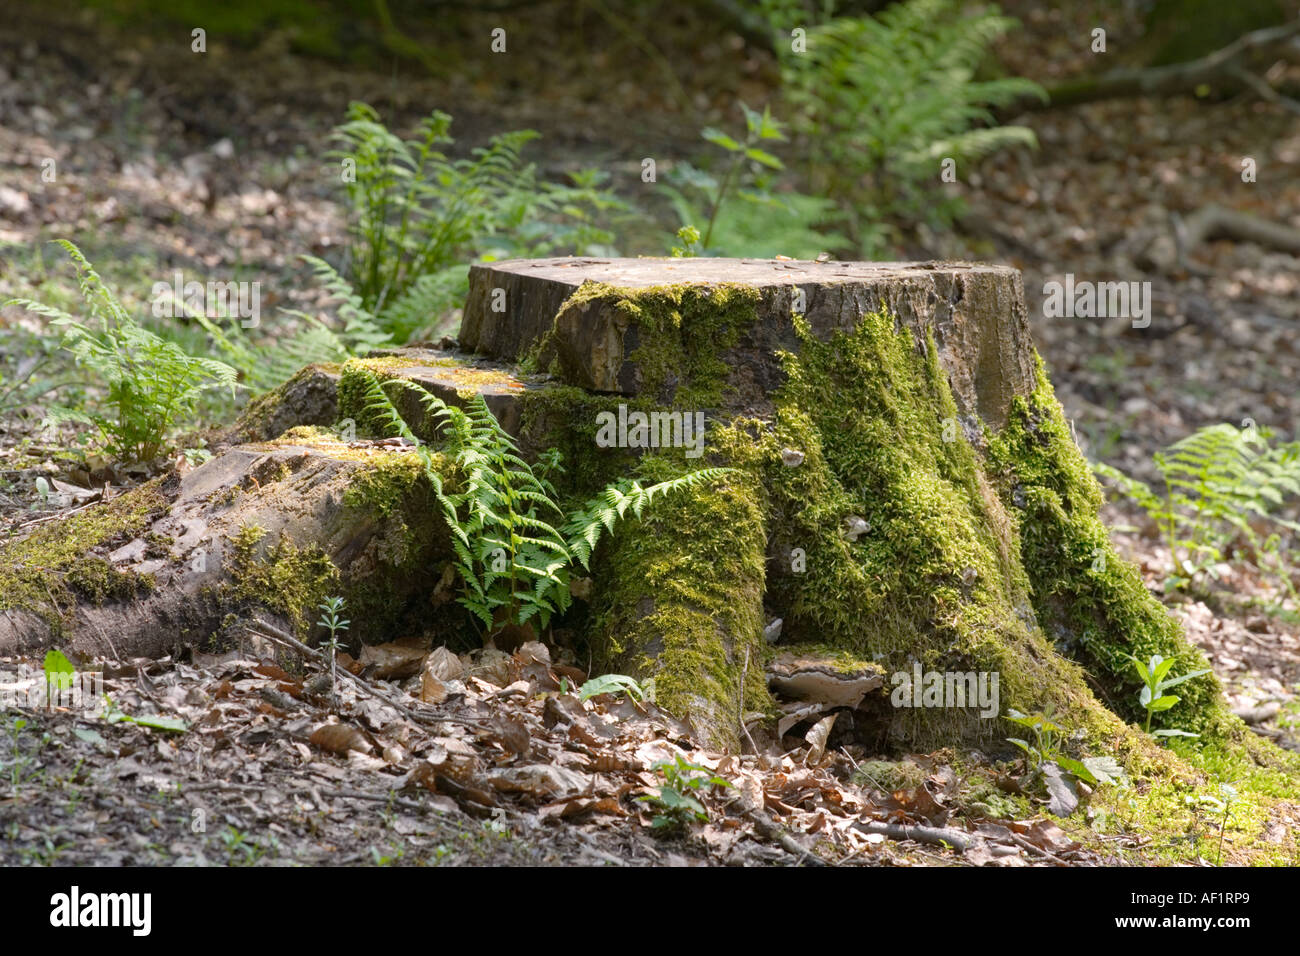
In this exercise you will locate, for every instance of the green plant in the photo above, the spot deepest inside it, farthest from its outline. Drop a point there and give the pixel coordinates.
(115, 715)
(264, 365)
(743, 212)
(879, 102)
(690, 242)
(677, 801)
(152, 383)
(613, 684)
(417, 215)
(43, 855)
(330, 620)
(23, 388)
(59, 674)
(1059, 772)
(1215, 480)
(1221, 805)
(514, 564)
(241, 849)
(1153, 698)
(17, 761)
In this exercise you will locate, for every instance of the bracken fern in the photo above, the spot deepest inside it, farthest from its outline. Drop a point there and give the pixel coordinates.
(152, 383)
(1215, 480)
(880, 101)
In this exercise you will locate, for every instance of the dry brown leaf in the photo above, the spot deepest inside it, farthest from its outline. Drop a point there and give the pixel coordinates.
(542, 780)
(511, 733)
(340, 738)
(444, 665)
(396, 659)
(817, 737)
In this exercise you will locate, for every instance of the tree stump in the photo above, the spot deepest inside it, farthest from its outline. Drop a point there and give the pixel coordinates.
(906, 507)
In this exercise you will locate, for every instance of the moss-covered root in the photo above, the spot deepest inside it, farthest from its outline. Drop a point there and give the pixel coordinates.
(680, 599)
(1087, 598)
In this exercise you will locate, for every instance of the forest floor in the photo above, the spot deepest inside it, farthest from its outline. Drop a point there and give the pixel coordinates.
(167, 161)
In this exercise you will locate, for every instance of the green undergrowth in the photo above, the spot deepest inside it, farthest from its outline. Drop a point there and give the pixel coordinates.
(62, 561)
(1169, 811)
(353, 382)
(680, 596)
(281, 576)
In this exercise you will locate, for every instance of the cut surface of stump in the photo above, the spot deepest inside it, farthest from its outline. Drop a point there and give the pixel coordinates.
(601, 338)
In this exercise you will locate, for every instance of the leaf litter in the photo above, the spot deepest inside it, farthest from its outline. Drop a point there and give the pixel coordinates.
(516, 769)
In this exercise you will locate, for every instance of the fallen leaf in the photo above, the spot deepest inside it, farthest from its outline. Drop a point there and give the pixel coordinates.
(340, 738)
(817, 736)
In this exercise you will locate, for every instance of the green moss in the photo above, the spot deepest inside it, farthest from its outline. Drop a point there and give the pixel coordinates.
(253, 420)
(680, 599)
(285, 578)
(41, 572)
(935, 578)
(354, 379)
(675, 337)
(1086, 596)
(309, 435)
(890, 775)
(565, 418)
(98, 580)
(1165, 808)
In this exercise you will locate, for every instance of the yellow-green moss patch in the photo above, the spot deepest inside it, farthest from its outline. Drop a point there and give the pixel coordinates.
(1089, 599)
(284, 578)
(45, 571)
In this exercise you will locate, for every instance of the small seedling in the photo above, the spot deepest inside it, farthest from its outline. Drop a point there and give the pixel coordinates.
(330, 620)
(676, 801)
(1154, 684)
(690, 247)
(59, 675)
(1221, 805)
(613, 684)
(1060, 773)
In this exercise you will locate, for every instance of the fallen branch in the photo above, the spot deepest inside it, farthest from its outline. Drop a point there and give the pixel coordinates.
(1175, 78)
(937, 836)
(1169, 253)
(784, 839)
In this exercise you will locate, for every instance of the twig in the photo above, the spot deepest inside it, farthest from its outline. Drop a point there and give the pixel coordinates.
(744, 676)
(960, 842)
(389, 797)
(1020, 841)
(288, 640)
(781, 836)
(1264, 91)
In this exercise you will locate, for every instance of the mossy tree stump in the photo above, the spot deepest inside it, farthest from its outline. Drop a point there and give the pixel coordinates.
(905, 493)
(907, 490)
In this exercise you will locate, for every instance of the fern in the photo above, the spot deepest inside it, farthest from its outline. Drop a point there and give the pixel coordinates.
(416, 212)
(313, 340)
(514, 547)
(1214, 481)
(152, 383)
(880, 101)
